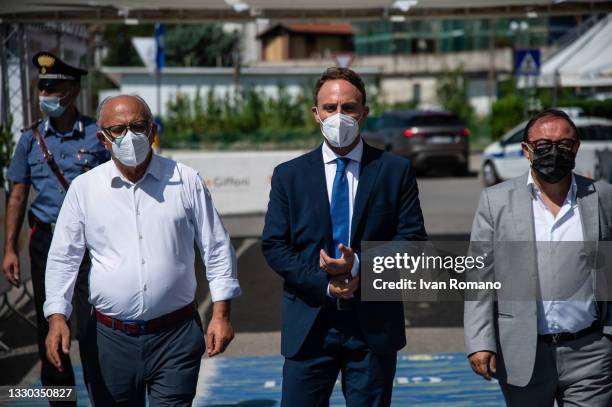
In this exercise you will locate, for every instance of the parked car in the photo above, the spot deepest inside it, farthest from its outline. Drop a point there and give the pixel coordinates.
(504, 159)
(430, 139)
(369, 126)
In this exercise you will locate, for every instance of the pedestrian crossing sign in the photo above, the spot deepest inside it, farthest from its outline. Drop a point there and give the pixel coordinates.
(344, 59)
(527, 62)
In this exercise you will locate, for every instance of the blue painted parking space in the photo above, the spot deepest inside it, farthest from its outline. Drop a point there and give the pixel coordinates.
(440, 379)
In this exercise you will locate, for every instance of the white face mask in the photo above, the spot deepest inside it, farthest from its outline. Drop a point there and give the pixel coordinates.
(132, 149)
(339, 129)
(55, 106)
(51, 105)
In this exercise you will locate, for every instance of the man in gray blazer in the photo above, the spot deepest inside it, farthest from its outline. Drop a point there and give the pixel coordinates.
(543, 351)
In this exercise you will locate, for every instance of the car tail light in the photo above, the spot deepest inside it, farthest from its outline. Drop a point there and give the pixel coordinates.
(466, 132)
(410, 132)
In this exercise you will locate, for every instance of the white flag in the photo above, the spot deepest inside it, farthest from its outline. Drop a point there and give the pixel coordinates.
(146, 48)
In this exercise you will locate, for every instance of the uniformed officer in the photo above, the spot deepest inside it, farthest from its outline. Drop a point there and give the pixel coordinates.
(48, 156)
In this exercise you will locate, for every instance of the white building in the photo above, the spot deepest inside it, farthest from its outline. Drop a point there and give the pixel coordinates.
(190, 81)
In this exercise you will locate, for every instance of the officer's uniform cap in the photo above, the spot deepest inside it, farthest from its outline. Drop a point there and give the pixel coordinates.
(51, 67)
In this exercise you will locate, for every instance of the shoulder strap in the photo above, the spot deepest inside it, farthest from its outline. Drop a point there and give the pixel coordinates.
(57, 171)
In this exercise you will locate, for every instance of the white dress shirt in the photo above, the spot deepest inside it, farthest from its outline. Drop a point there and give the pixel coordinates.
(141, 242)
(352, 177)
(560, 316)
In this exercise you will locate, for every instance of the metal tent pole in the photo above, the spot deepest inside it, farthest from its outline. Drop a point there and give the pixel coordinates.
(89, 100)
(24, 77)
(4, 91)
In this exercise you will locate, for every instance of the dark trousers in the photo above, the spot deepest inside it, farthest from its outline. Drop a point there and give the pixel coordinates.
(40, 241)
(164, 365)
(335, 344)
(576, 372)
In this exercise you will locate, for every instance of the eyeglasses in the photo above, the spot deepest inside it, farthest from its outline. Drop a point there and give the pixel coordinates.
(120, 130)
(543, 146)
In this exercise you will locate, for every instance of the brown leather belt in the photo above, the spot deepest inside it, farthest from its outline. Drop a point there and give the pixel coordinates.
(152, 325)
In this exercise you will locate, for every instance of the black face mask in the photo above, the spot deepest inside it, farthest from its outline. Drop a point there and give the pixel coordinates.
(553, 165)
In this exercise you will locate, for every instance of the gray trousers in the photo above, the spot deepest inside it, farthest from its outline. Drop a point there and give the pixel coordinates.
(572, 373)
(164, 365)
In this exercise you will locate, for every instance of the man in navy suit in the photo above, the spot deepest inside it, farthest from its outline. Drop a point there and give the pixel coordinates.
(322, 206)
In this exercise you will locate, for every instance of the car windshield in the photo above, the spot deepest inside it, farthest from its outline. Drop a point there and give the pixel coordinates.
(390, 121)
(422, 120)
(370, 123)
(435, 120)
(595, 133)
(516, 137)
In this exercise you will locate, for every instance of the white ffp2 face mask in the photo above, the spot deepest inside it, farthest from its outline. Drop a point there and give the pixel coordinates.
(132, 149)
(339, 129)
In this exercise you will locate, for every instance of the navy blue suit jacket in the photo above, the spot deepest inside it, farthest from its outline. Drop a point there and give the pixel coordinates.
(298, 226)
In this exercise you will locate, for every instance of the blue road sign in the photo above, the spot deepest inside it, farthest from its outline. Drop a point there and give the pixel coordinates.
(527, 62)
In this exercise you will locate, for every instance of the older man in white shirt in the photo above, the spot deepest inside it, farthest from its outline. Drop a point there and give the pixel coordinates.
(139, 215)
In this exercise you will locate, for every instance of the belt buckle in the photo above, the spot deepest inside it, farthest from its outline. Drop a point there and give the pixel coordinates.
(339, 306)
(134, 327)
(555, 338)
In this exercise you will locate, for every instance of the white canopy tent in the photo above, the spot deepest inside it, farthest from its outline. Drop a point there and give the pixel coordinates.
(16, 14)
(101, 11)
(586, 62)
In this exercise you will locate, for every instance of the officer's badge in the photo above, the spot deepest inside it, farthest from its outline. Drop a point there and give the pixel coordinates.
(45, 62)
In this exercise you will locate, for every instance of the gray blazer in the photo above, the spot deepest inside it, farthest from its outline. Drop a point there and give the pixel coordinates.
(509, 328)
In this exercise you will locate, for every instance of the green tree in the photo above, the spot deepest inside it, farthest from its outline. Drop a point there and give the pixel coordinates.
(213, 111)
(506, 113)
(179, 121)
(305, 102)
(252, 110)
(185, 45)
(118, 41)
(199, 45)
(452, 94)
(249, 117)
(6, 147)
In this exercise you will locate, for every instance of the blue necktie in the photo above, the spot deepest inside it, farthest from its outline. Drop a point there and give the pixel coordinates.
(340, 206)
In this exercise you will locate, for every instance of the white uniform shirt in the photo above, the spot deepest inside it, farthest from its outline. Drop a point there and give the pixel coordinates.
(560, 316)
(141, 242)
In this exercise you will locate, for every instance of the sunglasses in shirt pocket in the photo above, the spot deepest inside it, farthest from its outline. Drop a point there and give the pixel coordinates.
(87, 159)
